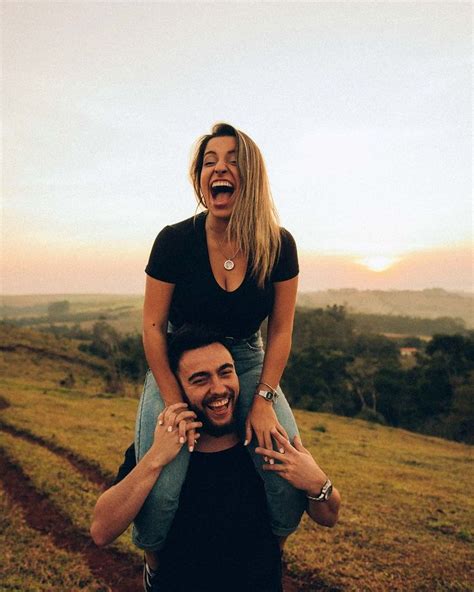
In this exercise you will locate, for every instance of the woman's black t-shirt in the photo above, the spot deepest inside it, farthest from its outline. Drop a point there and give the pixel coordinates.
(179, 256)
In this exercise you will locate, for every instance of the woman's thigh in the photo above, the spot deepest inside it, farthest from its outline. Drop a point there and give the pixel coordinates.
(286, 504)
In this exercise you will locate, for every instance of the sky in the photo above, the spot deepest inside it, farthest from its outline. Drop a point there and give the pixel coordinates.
(363, 112)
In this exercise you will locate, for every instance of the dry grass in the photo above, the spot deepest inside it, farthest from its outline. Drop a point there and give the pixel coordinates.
(407, 520)
(31, 562)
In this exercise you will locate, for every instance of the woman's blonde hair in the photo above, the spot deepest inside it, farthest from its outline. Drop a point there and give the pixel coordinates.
(253, 224)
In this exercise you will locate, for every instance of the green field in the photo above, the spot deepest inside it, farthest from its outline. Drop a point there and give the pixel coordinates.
(407, 519)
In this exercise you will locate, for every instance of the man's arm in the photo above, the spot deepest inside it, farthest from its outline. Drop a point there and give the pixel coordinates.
(117, 507)
(299, 468)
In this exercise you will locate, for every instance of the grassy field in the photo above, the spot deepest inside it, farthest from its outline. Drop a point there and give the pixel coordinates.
(407, 520)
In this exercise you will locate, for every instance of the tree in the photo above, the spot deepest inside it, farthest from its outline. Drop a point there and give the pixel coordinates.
(361, 374)
(106, 344)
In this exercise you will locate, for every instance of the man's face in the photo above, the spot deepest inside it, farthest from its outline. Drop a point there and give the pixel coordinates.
(211, 387)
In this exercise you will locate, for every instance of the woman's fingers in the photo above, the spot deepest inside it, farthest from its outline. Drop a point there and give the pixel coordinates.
(191, 436)
(281, 430)
(248, 433)
(268, 444)
(282, 442)
(181, 430)
(185, 415)
(170, 414)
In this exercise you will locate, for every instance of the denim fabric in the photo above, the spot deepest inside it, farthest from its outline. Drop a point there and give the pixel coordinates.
(286, 504)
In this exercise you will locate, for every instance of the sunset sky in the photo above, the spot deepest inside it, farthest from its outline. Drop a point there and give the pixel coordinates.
(362, 111)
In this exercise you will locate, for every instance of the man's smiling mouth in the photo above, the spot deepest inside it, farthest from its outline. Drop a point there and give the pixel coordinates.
(219, 403)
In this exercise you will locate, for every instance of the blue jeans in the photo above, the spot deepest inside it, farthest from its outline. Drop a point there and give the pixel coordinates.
(286, 504)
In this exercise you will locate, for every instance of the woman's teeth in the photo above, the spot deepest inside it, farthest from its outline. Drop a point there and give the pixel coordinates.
(221, 187)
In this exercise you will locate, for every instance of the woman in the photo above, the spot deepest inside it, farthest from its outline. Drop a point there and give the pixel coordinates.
(229, 268)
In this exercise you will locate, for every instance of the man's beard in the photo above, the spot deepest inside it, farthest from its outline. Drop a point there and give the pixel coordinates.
(208, 426)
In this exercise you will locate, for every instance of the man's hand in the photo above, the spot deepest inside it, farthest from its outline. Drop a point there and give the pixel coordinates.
(171, 431)
(263, 422)
(295, 464)
(299, 468)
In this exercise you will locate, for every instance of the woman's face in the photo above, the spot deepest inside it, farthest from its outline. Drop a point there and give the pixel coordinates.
(220, 179)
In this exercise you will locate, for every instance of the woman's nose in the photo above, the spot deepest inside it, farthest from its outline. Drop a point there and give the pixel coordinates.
(221, 167)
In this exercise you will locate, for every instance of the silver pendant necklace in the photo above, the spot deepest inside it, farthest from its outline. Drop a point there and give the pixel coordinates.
(228, 263)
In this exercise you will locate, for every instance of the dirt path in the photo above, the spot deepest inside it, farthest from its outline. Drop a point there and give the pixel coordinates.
(120, 571)
(86, 468)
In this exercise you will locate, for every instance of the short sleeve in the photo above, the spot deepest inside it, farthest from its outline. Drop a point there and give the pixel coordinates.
(164, 256)
(127, 466)
(287, 266)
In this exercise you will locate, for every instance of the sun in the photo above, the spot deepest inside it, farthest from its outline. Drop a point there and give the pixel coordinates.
(378, 263)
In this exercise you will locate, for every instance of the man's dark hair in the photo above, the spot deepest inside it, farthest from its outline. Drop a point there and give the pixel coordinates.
(189, 337)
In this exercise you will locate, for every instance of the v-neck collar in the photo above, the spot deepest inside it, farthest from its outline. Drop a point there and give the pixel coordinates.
(201, 226)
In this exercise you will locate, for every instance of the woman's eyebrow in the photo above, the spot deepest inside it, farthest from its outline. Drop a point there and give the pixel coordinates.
(215, 154)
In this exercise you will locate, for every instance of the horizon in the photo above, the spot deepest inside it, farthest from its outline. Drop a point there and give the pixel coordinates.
(348, 289)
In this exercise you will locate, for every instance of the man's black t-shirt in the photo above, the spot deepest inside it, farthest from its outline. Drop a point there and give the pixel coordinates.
(179, 256)
(220, 538)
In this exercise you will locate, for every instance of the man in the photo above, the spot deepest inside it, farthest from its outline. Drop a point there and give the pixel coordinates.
(221, 537)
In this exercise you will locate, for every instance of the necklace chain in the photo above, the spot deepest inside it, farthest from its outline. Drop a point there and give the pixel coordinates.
(228, 263)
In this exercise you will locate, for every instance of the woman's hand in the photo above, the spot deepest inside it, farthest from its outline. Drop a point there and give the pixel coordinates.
(261, 421)
(173, 425)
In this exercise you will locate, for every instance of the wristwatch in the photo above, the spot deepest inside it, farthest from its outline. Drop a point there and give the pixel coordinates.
(324, 494)
(268, 395)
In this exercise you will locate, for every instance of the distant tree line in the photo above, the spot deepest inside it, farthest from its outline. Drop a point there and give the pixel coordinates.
(378, 323)
(335, 368)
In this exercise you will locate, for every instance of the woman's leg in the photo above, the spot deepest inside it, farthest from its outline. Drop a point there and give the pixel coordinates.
(286, 504)
(154, 520)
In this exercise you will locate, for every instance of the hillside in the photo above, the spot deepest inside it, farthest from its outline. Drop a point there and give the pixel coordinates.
(430, 303)
(407, 521)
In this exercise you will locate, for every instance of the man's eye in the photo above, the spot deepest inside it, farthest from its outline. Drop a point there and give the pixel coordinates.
(199, 381)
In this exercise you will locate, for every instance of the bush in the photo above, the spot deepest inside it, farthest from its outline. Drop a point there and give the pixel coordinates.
(370, 415)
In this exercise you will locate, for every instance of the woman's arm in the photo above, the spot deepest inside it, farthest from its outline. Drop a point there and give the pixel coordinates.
(156, 307)
(262, 417)
(158, 296)
(279, 332)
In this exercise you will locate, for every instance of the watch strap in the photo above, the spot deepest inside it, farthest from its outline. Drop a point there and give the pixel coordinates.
(324, 494)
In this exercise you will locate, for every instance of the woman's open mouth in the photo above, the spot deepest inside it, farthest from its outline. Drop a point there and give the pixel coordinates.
(222, 189)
